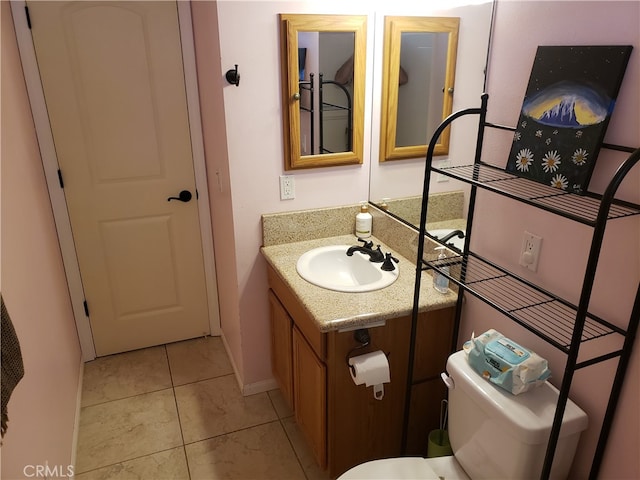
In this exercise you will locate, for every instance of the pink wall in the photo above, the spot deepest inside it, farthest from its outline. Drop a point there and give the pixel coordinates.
(210, 85)
(499, 223)
(43, 406)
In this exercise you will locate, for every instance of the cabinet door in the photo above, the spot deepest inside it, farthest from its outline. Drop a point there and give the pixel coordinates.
(310, 400)
(281, 348)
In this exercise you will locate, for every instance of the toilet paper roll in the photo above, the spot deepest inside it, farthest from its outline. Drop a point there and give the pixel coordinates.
(370, 369)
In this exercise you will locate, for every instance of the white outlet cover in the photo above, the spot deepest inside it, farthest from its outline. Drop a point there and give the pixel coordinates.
(287, 187)
(440, 178)
(530, 252)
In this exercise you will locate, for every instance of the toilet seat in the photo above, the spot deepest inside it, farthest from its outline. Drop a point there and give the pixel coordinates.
(407, 468)
(404, 468)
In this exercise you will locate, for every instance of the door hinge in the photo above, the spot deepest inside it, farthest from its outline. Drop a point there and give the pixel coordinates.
(60, 179)
(86, 308)
(26, 11)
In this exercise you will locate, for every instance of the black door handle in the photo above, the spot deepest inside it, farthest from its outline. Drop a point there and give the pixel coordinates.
(184, 196)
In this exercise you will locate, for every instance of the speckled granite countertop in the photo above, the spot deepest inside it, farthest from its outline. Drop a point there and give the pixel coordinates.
(337, 310)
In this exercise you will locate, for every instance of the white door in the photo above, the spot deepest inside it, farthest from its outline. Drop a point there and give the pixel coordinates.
(114, 86)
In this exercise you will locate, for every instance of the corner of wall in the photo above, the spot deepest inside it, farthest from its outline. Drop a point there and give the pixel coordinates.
(207, 50)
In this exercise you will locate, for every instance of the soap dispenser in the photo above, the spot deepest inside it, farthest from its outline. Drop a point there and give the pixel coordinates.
(363, 221)
(440, 282)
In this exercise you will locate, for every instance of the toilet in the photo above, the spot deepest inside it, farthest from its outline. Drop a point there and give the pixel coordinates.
(493, 434)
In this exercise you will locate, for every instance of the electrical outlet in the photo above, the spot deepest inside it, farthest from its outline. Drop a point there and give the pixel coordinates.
(530, 252)
(287, 187)
(440, 178)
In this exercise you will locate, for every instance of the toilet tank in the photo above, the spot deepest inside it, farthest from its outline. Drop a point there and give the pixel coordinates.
(495, 434)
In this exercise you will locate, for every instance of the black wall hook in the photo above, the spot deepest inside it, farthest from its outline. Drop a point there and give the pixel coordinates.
(233, 77)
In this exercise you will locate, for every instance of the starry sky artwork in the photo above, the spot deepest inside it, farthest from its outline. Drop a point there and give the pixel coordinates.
(569, 100)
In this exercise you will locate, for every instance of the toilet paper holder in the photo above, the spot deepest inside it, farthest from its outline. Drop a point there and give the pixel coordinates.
(364, 339)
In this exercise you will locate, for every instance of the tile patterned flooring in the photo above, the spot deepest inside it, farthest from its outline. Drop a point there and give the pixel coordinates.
(175, 412)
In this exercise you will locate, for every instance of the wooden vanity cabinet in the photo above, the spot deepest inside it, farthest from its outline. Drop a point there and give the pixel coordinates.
(343, 423)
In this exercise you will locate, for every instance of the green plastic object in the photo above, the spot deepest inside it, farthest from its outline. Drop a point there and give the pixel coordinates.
(439, 445)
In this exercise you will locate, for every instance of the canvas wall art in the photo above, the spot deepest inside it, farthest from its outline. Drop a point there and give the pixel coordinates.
(568, 103)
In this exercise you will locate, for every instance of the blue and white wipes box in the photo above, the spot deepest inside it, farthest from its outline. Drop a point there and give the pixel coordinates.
(505, 363)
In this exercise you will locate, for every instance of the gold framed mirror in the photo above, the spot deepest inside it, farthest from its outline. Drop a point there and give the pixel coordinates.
(323, 81)
(419, 62)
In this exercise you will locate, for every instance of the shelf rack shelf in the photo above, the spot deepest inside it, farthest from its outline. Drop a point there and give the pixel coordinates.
(540, 312)
(558, 322)
(582, 209)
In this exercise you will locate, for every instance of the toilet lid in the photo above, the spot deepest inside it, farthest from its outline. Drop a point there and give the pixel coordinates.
(404, 468)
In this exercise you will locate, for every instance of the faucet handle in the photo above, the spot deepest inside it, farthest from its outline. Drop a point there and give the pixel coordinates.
(367, 244)
(388, 266)
(376, 255)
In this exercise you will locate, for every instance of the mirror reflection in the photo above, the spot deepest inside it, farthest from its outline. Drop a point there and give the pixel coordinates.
(418, 83)
(325, 62)
(420, 98)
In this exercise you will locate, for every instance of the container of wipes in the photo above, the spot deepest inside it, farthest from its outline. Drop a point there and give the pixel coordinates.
(505, 363)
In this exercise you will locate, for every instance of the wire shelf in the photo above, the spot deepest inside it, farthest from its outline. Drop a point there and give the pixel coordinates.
(581, 208)
(538, 311)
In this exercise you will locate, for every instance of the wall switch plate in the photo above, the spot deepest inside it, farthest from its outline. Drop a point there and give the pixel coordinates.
(287, 187)
(530, 252)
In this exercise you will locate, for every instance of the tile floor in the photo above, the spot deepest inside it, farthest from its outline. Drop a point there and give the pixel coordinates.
(176, 412)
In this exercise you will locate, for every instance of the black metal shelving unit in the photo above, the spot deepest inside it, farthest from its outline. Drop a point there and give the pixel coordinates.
(558, 322)
(323, 107)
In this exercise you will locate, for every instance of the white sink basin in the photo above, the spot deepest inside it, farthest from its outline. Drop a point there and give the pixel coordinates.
(443, 232)
(330, 267)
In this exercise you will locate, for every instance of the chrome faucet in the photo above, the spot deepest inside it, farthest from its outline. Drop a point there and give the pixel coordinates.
(375, 256)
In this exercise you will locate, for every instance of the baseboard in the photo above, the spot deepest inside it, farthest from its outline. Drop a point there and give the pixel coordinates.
(259, 387)
(251, 388)
(76, 426)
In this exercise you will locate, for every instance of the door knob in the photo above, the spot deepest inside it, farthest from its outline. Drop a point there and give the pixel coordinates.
(183, 196)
